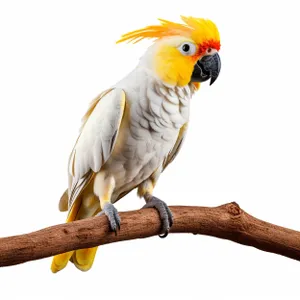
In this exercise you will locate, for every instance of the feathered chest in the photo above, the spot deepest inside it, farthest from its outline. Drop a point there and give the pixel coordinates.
(160, 111)
(154, 116)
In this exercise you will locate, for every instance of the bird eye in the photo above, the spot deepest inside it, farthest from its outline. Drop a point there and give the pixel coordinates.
(209, 50)
(187, 48)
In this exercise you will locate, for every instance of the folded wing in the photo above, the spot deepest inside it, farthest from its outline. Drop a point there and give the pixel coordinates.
(175, 150)
(96, 141)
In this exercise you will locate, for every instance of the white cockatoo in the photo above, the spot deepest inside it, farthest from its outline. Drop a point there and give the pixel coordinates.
(134, 129)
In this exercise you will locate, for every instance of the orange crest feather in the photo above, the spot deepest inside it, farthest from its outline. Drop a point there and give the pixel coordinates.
(201, 31)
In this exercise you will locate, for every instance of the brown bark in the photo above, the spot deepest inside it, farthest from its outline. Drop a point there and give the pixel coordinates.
(227, 222)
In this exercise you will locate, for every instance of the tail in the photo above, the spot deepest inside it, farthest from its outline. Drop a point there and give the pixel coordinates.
(83, 258)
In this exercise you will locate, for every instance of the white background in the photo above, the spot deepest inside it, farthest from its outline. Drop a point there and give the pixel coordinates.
(243, 145)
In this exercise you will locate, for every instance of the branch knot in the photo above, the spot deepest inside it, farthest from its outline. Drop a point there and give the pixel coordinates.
(234, 209)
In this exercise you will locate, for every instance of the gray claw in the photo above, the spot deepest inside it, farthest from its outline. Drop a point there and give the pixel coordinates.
(113, 217)
(164, 212)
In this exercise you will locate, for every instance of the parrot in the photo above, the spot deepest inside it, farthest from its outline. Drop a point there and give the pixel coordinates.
(133, 130)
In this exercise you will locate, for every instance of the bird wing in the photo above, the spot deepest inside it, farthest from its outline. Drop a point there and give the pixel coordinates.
(96, 141)
(177, 146)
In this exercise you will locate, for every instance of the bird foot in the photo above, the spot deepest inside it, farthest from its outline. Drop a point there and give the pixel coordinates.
(113, 216)
(164, 213)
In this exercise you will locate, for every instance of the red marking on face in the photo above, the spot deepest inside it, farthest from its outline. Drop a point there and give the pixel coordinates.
(207, 45)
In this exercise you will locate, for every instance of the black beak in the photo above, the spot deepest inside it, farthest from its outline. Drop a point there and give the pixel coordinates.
(207, 67)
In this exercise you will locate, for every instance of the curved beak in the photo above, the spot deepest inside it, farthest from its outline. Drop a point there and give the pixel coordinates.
(208, 67)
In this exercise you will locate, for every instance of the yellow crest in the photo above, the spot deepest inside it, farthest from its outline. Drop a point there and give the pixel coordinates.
(199, 30)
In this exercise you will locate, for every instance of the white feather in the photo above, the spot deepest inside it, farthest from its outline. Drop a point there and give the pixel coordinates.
(95, 142)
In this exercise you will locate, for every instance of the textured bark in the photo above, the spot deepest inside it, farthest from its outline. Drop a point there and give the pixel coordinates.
(227, 222)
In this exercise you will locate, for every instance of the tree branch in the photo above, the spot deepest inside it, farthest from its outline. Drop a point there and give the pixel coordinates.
(227, 222)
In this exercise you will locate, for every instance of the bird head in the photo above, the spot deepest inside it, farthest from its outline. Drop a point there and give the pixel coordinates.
(181, 53)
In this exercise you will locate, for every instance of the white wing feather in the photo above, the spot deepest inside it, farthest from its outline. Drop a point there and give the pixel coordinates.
(178, 144)
(96, 141)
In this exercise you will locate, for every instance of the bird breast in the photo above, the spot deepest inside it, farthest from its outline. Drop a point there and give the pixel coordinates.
(152, 120)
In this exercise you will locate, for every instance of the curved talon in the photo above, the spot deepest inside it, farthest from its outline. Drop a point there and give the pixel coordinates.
(164, 213)
(112, 215)
(164, 235)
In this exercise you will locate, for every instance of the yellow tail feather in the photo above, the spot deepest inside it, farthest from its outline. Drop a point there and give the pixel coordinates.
(60, 261)
(83, 258)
